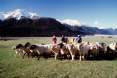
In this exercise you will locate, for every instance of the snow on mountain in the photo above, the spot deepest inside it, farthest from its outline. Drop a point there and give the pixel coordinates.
(71, 22)
(18, 13)
(32, 14)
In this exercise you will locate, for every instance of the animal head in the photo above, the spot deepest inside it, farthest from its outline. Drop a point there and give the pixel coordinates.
(19, 46)
(32, 47)
(116, 46)
(27, 45)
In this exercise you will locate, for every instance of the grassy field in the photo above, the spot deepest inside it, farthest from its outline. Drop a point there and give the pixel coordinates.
(16, 67)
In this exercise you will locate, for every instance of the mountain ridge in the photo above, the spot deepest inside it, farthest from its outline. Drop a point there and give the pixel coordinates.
(46, 26)
(34, 25)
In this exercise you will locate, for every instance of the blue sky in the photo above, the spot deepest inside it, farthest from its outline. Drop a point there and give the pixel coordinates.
(100, 13)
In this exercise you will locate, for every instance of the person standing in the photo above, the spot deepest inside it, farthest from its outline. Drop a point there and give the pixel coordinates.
(54, 39)
(79, 39)
(64, 39)
(63, 42)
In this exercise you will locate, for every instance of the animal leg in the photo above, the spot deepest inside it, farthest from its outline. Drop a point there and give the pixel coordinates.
(23, 55)
(83, 57)
(80, 58)
(72, 57)
(56, 54)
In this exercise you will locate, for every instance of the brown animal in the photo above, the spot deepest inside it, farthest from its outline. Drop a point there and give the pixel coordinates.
(19, 50)
(39, 50)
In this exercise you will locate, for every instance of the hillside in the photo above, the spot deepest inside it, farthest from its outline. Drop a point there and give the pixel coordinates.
(45, 26)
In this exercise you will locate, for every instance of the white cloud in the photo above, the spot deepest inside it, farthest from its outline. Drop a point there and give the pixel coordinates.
(84, 23)
(71, 22)
(96, 23)
(114, 26)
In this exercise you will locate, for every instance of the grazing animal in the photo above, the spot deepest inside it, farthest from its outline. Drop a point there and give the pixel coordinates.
(67, 50)
(34, 51)
(102, 51)
(56, 50)
(27, 50)
(112, 51)
(60, 50)
(23, 50)
(19, 50)
(96, 50)
(73, 50)
(84, 49)
(40, 50)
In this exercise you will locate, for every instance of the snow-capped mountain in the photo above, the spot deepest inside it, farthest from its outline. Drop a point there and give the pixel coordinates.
(71, 22)
(35, 26)
(18, 13)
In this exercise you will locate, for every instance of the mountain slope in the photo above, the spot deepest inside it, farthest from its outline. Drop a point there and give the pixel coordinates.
(33, 27)
(45, 26)
(23, 23)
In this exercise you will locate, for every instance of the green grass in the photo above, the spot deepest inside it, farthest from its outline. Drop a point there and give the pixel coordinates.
(16, 67)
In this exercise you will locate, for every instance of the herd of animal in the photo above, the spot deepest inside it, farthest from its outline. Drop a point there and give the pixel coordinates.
(81, 51)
